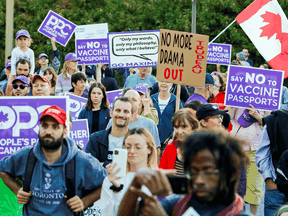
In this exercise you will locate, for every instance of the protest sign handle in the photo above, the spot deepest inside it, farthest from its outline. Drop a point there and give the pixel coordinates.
(178, 97)
(222, 31)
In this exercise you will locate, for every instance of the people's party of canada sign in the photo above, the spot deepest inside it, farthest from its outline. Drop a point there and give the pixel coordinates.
(261, 88)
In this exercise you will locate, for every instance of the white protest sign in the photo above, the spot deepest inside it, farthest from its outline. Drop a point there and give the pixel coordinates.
(133, 49)
(93, 31)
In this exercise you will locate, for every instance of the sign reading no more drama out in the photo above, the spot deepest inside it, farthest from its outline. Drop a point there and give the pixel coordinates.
(182, 58)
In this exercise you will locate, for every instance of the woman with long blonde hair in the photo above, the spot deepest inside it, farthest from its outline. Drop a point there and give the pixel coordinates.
(63, 84)
(142, 153)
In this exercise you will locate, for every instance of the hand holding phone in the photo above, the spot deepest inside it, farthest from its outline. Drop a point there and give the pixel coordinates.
(111, 175)
(120, 159)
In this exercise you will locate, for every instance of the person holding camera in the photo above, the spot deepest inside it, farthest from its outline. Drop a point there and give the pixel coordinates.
(142, 153)
(212, 160)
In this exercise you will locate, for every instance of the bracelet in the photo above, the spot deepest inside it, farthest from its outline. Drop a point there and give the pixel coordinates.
(116, 189)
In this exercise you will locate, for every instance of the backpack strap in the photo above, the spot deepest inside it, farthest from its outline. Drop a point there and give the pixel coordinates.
(182, 205)
(70, 178)
(29, 171)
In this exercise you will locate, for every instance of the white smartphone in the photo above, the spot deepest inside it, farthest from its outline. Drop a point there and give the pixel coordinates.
(120, 158)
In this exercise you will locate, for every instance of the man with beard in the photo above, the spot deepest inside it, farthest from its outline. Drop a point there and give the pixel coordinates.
(21, 86)
(49, 191)
(140, 121)
(102, 143)
(213, 162)
(203, 94)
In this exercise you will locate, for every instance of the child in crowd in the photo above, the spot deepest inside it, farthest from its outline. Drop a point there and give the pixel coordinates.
(22, 51)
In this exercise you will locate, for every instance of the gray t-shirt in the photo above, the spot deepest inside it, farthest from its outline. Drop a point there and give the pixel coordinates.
(115, 142)
(143, 122)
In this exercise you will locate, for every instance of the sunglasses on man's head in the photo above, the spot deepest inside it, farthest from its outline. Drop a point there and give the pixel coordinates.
(15, 86)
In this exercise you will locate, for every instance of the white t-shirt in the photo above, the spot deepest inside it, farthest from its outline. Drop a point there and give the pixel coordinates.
(110, 201)
(115, 142)
(18, 54)
(163, 103)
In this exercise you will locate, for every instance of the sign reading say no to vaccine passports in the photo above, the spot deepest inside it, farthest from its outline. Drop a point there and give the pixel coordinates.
(261, 88)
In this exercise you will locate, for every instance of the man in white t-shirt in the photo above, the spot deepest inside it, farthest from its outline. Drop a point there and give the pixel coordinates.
(140, 121)
(102, 143)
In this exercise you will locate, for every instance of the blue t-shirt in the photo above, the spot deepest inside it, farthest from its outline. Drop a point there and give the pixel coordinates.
(48, 184)
(134, 79)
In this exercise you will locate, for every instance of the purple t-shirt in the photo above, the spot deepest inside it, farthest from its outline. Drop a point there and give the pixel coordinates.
(197, 97)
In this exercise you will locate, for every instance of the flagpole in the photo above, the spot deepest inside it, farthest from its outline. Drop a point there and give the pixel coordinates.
(223, 31)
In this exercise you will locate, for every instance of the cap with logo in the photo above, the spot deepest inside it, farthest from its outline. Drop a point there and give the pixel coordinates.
(245, 120)
(57, 113)
(209, 79)
(40, 77)
(241, 56)
(43, 55)
(208, 110)
(142, 88)
(72, 57)
(22, 32)
(22, 79)
(8, 64)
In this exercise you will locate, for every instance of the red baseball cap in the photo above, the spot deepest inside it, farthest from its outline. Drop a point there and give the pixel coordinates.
(41, 77)
(57, 113)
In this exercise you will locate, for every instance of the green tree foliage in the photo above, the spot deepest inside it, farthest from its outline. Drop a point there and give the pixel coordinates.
(135, 15)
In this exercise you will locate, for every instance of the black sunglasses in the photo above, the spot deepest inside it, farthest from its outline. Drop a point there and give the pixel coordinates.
(15, 86)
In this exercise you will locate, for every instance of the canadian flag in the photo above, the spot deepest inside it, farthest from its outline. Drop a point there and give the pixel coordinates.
(267, 27)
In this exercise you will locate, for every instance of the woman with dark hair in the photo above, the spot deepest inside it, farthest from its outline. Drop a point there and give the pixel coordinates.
(220, 81)
(78, 82)
(184, 123)
(51, 75)
(97, 108)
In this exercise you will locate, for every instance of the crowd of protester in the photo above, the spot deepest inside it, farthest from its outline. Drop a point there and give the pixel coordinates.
(225, 157)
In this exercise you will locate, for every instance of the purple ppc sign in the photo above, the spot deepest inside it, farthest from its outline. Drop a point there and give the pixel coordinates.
(19, 120)
(133, 49)
(112, 95)
(57, 26)
(261, 88)
(80, 132)
(76, 104)
(219, 53)
(92, 51)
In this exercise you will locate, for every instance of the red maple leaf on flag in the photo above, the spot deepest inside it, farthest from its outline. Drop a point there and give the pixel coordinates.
(274, 26)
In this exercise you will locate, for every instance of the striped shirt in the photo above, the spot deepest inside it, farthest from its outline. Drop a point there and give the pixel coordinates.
(179, 167)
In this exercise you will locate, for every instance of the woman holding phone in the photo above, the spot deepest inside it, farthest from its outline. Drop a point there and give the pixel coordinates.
(184, 122)
(141, 150)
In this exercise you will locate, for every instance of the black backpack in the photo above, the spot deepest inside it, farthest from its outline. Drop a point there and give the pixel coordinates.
(69, 173)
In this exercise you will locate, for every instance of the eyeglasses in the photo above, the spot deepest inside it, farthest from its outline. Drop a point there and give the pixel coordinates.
(15, 86)
(205, 173)
(218, 117)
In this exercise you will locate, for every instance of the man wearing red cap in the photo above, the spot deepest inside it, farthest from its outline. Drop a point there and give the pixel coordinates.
(40, 86)
(49, 192)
